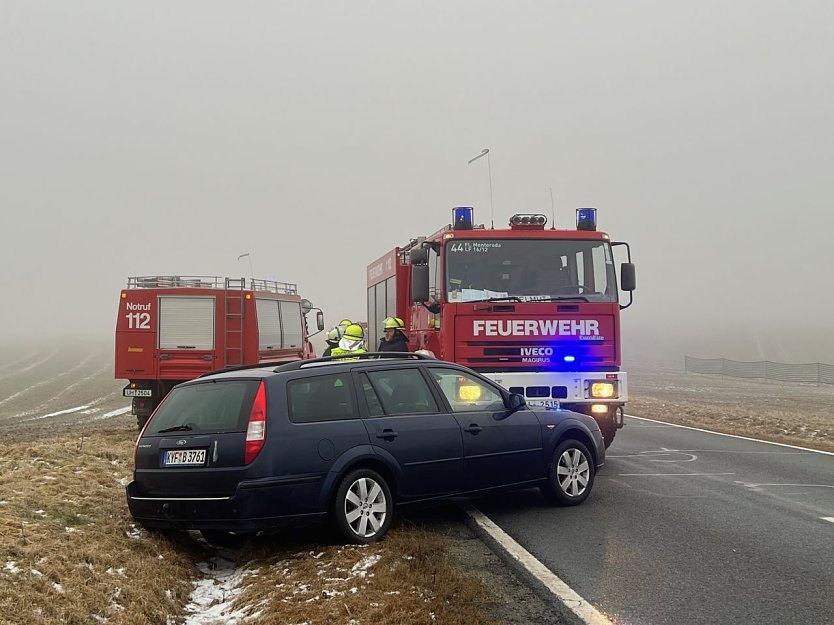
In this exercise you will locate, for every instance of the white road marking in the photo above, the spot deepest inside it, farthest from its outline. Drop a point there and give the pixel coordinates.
(580, 607)
(662, 452)
(830, 519)
(669, 474)
(744, 438)
(710, 451)
(812, 485)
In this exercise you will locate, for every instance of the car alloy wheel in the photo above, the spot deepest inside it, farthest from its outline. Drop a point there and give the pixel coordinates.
(363, 506)
(571, 474)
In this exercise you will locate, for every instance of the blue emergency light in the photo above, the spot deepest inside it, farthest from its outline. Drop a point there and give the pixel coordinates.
(570, 358)
(462, 217)
(586, 219)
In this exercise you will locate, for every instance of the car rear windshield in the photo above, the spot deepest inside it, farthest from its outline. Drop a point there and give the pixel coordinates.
(215, 406)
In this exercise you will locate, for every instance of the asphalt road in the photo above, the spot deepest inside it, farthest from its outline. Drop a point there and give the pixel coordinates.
(688, 527)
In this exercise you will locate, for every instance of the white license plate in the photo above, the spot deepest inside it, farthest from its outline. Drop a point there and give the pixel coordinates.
(137, 392)
(543, 403)
(184, 457)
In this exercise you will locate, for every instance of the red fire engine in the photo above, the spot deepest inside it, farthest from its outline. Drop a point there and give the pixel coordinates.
(174, 328)
(535, 309)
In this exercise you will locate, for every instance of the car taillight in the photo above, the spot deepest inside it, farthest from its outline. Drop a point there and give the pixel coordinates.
(256, 430)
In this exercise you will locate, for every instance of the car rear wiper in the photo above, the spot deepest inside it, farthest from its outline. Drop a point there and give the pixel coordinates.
(177, 428)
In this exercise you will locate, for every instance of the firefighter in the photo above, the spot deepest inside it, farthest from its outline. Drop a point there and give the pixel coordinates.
(352, 342)
(332, 339)
(335, 335)
(395, 339)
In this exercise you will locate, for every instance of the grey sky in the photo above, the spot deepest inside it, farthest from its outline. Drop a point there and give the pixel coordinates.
(171, 137)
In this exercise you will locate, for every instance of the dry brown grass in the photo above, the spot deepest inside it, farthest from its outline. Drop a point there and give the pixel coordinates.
(77, 557)
(405, 580)
(795, 414)
(70, 553)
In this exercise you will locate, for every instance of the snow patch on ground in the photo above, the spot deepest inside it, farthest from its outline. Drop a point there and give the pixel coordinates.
(211, 600)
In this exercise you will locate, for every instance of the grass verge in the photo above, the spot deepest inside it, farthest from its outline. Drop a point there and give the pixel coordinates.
(70, 553)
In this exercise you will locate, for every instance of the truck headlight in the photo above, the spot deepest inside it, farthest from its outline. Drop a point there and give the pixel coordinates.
(602, 390)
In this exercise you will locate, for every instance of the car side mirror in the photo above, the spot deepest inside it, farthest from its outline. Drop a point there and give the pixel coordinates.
(320, 320)
(515, 403)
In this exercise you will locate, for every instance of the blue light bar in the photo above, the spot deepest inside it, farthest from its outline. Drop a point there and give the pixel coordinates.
(569, 358)
(586, 219)
(462, 217)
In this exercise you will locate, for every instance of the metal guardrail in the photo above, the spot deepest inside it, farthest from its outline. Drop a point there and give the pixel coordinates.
(813, 372)
(211, 282)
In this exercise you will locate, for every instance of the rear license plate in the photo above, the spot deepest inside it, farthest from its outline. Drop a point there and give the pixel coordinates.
(137, 392)
(184, 457)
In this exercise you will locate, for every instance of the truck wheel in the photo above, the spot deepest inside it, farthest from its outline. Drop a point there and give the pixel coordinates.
(571, 475)
(363, 506)
(141, 421)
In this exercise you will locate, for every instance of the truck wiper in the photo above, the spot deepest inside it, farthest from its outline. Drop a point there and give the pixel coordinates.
(562, 298)
(514, 298)
(176, 428)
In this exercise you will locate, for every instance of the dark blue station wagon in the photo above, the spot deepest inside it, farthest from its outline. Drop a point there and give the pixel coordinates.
(246, 450)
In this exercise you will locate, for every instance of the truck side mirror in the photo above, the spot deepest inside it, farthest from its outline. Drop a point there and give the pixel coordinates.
(419, 283)
(419, 256)
(628, 280)
(320, 320)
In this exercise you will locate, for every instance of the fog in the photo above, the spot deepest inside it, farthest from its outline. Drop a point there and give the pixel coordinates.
(171, 138)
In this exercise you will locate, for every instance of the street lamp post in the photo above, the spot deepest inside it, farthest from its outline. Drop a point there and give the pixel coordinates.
(248, 256)
(485, 152)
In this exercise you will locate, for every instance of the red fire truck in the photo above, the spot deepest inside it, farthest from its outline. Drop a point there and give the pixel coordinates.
(535, 309)
(174, 328)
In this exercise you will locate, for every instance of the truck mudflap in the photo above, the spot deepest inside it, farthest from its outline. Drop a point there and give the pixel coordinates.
(619, 417)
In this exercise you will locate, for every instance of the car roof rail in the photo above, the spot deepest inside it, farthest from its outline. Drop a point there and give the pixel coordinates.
(255, 365)
(342, 358)
(284, 365)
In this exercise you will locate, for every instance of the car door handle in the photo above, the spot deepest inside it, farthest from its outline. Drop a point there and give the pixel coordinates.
(473, 428)
(388, 434)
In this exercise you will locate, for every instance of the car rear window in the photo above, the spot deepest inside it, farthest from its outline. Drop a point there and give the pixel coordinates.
(320, 398)
(218, 406)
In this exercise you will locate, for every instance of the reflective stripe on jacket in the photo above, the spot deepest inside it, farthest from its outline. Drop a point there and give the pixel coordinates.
(343, 353)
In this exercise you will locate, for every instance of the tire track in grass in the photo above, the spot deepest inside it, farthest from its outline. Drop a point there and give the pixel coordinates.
(87, 408)
(45, 403)
(31, 366)
(14, 363)
(112, 413)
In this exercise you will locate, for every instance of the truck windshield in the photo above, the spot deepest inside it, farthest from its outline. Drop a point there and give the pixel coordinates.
(529, 270)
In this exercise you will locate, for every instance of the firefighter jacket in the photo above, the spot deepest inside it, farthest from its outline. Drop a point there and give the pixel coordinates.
(343, 353)
(398, 344)
(348, 346)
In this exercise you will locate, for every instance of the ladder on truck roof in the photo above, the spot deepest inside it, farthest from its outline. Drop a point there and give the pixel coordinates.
(233, 322)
